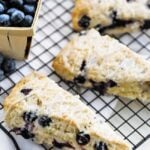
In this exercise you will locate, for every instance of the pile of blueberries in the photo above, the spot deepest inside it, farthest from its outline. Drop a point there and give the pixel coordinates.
(17, 13)
(7, 66)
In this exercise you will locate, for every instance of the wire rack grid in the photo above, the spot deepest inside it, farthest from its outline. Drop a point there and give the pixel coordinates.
(130, 119)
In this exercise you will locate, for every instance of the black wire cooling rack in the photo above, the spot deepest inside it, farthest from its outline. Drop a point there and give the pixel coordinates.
(130, 119)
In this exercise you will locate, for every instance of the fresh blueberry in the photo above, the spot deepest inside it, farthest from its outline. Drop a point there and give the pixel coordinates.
(4, 3)
(17, 17)
(1, 8)
(26, 91)
(82, 138)
(1, 75)
(44, 121)
(30, 1)
(29, 9)
(4, 20)
(27, 21)
(100, 146)
(84, 22)
(1, 59)
(29, 117)
(16, 3)
(8, 65)
(11, 11)
(24, 132)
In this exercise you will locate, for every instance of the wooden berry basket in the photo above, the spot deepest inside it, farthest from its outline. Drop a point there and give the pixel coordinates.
(15, 42)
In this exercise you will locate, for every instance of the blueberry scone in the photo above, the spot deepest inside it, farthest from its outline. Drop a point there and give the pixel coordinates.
(112, 16)
(102, 63)
(38, 109)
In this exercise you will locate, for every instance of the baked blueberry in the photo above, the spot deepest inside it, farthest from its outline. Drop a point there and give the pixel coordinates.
(1, 75)
(17, 17)
(44, 121)
(146, 24)
(80, 79)
(82, 138)
(61, 145)
(27, 21)
(100, 146)
(83, 65)
(29, 9)
(11, 11)
(103, 86)
(29, 117)
(26, 134)
(16, 3)
(30, 1)
(84, 22)
(111, 83)
(9, 65)
(100, 87)
(4, 20)
(118, 22)
(26, 91)
(1, 8)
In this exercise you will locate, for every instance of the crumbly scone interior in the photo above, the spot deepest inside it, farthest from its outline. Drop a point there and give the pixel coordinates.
(102, 62)
(110, 17)
(65, 111)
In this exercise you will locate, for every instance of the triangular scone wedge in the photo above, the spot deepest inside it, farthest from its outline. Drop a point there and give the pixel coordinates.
(111, 16)
(102, 63)
(39, 109)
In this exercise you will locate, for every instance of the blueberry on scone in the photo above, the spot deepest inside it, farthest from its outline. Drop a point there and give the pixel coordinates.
(26, 91)
(44, 121)
(105, 65)
(110, 16)
(55, 118)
